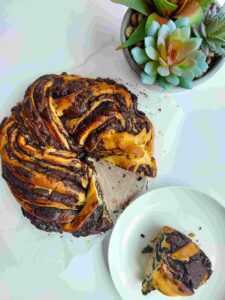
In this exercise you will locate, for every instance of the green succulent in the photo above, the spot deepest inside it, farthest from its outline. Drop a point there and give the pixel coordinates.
(212, 31)
(172, 9)
(170, 57)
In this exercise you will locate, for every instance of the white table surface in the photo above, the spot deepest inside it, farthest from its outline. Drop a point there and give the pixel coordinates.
(80, 36)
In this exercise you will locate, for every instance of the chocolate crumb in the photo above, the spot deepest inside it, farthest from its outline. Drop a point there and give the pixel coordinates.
(124, 175)
(109, 168)
(115, 211)
(142, 235)
(160, 109)
(147, 249)
(191, 235)
(200, 228)
(143, 94)
(139, 179)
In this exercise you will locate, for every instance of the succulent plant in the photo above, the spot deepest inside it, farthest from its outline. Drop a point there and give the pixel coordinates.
(172, 9)
(212, 31)
(170, 57)
(164, 10)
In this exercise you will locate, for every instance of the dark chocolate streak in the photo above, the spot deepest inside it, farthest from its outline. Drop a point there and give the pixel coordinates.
(177, 240)
(95, 224)
(71, 176)
(104, 109)
(145, 169)
(29, 192)
(192, 272)
(3, 122)
(70, 179)
(45, 226)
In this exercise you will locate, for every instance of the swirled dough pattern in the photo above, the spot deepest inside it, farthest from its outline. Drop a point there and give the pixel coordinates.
(48, 143)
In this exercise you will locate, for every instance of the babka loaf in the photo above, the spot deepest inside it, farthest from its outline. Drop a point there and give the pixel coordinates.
(50, 140)
(176, 265)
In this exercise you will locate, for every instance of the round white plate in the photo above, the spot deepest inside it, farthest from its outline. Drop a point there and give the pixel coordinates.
(182, 208)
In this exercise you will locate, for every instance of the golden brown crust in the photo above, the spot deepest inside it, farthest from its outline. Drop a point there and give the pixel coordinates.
(62, 121)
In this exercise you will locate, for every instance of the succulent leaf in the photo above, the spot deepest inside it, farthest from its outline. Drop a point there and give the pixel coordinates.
(187, 48)
(149, 42)
(162, 62)
(154, 17)
(152, 25)
(137, 36)
(177, 71)
(151, 68)
(205, 3)
(139, 55)
(138, 5)
(161, 41)
(173, 79)
(217, 47)
(193, 11)
(182, 5)
(186, 83)
(197, 71)
(182, 22)
(181, 34)
(153, 28)
(203, 66)
(164, 83)
(171, 25)
(162, 34)
(189, 75)
(163, 71)
(152, 53)
(187, 64)
(147, 79)
(165, 7)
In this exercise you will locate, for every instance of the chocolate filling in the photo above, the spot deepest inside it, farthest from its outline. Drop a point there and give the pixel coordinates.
(177, 240)
(193, 272)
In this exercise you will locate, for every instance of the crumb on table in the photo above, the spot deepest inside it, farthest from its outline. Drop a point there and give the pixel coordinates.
(147, 249)
(191, 235)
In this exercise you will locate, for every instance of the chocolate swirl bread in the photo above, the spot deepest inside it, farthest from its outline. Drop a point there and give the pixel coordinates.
(48, 143)
(176, 266)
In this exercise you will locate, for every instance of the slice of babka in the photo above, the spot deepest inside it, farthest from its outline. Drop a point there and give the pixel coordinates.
(176, 265)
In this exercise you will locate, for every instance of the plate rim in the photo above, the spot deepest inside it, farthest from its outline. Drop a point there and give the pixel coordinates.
(130, 207)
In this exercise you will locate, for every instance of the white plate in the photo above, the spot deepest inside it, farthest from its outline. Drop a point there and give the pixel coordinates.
(184, 209)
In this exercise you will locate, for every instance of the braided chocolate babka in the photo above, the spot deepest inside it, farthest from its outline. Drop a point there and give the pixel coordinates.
(48, 144)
